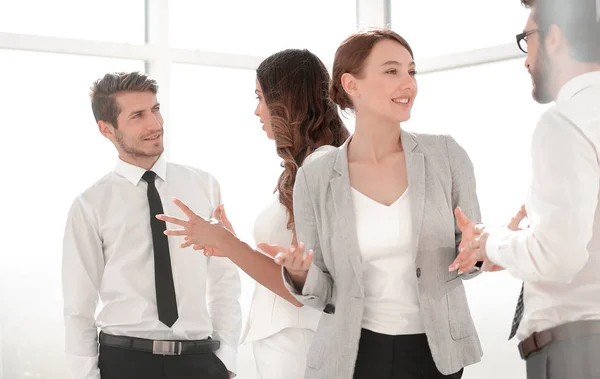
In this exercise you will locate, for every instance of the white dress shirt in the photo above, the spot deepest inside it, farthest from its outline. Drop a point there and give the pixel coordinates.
(558, 257)
(269, 313)
(387, 246)
(108, 267)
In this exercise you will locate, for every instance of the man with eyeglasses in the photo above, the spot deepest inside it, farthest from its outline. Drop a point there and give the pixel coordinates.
(557, 319)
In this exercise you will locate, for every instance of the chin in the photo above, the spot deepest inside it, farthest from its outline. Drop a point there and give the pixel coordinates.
(156, 152)
(402, 118)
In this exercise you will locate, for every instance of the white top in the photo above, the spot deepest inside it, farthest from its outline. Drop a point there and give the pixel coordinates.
(108, 267)
(387, 246)
(270, 313)
(558, 257)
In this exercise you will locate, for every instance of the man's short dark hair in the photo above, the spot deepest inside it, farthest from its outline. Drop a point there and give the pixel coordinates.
(577, 20)
(103, 91)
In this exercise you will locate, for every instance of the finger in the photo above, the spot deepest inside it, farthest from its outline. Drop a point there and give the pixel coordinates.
(299, 254)
(524, 210)
(464, 256)
(172, 220)
(516, 220)
(466, 266)
(456, 263)
(469, 260)
(298, 251)
(307, 260)
(279, 259)
(176, 232)
(218, 211)
(462, 220)
(292, 258)
(184, 208)
(186, 244)
(478, 229)
(473, 245)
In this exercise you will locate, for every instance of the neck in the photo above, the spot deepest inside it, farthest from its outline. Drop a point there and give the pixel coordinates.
(140, 161)
(570, 70)
(374, 139)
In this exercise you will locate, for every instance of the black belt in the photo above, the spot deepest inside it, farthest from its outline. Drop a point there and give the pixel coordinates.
(538, 340)
(160, 347)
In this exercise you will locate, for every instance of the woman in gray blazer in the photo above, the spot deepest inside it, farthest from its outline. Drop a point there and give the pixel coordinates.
(378, 217)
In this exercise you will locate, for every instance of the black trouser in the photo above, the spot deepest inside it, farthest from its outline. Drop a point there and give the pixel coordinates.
(119, 363)
(383, 356)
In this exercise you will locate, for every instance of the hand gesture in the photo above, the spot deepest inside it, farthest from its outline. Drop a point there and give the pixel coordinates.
(221, 219)
(473, 237)
(293, 259)
(197, 230)
(473, 248)
(516, 221)
(468, 228)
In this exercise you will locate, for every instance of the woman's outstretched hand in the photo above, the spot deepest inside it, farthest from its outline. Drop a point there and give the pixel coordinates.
(293, 259)
(200, 232)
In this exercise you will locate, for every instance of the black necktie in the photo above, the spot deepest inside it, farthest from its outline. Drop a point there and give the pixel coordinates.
(163, 275)
(518, 315)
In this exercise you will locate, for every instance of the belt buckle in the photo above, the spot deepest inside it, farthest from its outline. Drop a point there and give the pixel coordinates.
(166, 347)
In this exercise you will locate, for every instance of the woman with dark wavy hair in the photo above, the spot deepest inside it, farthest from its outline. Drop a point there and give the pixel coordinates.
(295, 110)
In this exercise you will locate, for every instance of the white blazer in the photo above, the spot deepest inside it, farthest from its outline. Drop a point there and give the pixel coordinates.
(269, 313)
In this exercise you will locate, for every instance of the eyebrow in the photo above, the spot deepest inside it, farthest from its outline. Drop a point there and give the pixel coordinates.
(256, 91)
(412, 63)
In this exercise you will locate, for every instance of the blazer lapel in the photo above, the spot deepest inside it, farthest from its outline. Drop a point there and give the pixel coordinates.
(345, 216)
(415, 169)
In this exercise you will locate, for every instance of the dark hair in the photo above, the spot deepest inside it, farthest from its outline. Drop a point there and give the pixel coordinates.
(576, 19)
(103, 91)
(295, 85)
(350, 58)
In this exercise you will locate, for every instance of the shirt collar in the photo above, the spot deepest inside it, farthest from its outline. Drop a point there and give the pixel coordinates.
(578, 83)
(134, 173)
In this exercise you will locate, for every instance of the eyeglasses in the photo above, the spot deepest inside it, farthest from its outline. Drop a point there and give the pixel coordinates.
(522, 39)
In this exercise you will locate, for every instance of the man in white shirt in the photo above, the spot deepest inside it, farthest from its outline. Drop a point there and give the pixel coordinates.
(163, 312)
(558, 257)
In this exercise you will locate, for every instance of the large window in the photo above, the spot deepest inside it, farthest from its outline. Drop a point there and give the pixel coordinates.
(51, 151)
(440, 27)
(262, 27)
(489, 110)
(106, 20)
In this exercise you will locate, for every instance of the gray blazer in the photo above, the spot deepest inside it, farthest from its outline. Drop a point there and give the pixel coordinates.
(441, 178)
